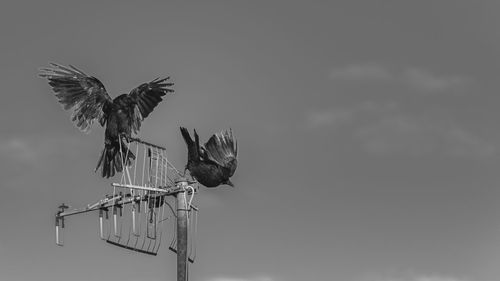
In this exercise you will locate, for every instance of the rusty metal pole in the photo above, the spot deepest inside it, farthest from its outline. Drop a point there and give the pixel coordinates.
(182, 233)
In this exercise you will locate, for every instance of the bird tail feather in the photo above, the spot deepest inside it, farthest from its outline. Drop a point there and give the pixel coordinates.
(111, 161)
(192, 151)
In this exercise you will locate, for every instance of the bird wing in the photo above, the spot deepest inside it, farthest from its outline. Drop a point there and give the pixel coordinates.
(84, 95)
(222, 148)
(146, 97)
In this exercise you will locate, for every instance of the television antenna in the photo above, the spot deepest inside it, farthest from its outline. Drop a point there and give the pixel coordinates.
(132, 215)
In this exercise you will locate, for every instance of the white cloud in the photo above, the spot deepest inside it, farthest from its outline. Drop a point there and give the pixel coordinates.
(27, 157)
(428, 82)
(413, 77)
(332, 117)
(384, 129)
(413, 278)
(367, 71)
(398, 134)
(37, 150)
(335, 117)
(258, 278)
(464, 143)
(437, 278)
(421, 135)
(16, 148)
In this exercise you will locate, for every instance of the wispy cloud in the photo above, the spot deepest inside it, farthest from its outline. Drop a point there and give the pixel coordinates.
(428, 82)
(17, 149)
(383, 128)
(465, 143)
(335, 117)
(437, 278)
(330, 117)
(37, 150)
(367, 71)
(414, 278)
(420, 79)
(421, 135)
(398, 134)
(25, 158)
(258, 278)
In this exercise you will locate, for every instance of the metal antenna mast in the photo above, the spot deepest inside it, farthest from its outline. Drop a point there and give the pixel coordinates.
(182, 233)
(142, 194)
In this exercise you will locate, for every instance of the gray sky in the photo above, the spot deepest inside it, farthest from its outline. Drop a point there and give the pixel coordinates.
(368, 136)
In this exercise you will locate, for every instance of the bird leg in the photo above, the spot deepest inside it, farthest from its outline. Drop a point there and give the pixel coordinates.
(125, 138)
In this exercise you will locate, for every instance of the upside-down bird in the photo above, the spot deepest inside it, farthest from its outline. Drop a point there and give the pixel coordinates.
(87, 98)
(215, 162)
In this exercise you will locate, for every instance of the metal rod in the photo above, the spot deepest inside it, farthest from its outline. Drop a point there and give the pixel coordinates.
(115, 222)
(182, 234)
(151, 224)
(167, 191)
(148, 143)
(131, 248)
(101, 231)
(107, 202)
(191, 260)
(134, 229)
(58, 242)
(58, 238)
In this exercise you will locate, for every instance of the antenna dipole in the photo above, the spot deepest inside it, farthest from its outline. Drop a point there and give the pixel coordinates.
(144, 198)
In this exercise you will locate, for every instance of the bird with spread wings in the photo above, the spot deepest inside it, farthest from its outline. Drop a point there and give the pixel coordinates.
(215, 162)
(88, 100)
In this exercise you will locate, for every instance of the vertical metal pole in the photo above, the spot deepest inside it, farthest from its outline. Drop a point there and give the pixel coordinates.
(182, 232)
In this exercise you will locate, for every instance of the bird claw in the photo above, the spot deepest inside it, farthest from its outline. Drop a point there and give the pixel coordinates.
(125, 138)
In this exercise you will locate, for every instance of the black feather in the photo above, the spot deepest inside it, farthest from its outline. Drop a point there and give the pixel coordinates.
(87, 98)
(213, 164)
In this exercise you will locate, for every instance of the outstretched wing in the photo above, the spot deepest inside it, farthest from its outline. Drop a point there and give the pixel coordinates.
(146, 97)
(223, 149)
(84, 95)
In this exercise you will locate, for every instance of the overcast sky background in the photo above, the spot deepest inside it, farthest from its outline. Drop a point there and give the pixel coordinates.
(368, 135)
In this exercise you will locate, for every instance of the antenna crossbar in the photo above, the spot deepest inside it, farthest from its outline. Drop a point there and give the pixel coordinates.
(105, 203)
(164, 191)
(140, 198)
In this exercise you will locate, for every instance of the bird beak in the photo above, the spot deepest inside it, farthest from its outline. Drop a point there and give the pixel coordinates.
(230, 183)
